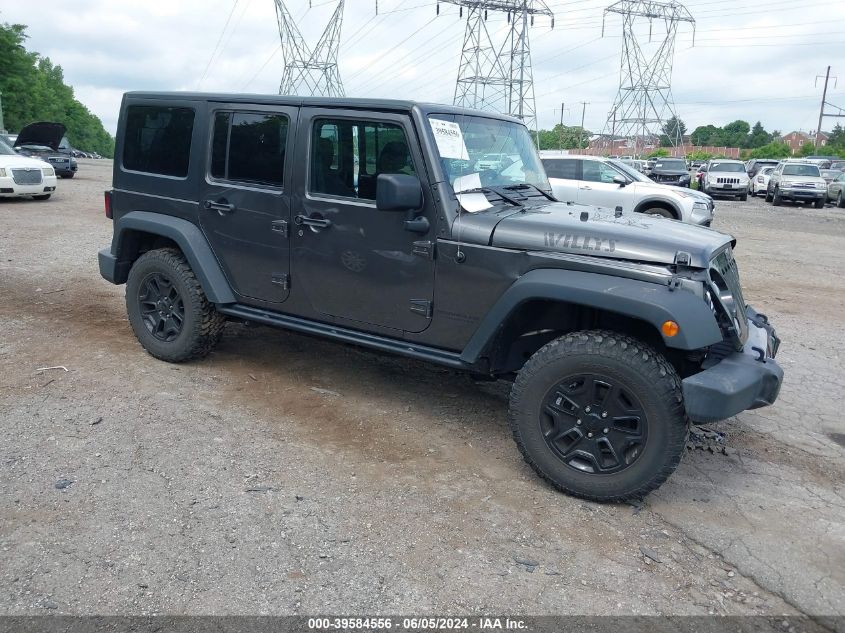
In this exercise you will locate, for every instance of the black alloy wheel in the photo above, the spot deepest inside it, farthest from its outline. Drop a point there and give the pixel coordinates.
(594, 424)
(162, 307)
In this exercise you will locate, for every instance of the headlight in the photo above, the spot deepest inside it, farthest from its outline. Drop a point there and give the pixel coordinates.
(701, 206)
(48, 171)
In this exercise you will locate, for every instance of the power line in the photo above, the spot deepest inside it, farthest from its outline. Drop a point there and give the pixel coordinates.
(219, 39)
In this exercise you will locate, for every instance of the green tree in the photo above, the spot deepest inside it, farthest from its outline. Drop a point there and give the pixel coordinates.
(736, 134)
(564, 137)
(771, 150)
(34, 90)
(807, 149)
(706, 135)
(759, 137)
(659, 153)
(673, 131)
(837, 138)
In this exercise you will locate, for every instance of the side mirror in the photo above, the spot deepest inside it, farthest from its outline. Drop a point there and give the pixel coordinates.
(398, 192)
(620, 180)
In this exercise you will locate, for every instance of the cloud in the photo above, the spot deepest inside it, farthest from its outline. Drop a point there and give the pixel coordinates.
(749, 63)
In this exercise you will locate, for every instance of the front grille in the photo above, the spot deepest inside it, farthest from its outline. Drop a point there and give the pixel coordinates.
(804, 185)
(27, 176)
(727, 181)
(668, 178)
(724, 274)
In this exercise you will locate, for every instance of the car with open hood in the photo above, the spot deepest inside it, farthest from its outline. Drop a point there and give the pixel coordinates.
(24, 177)
(383, 224)
(47, 141)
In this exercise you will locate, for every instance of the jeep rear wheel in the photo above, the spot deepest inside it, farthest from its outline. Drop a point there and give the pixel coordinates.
(600, 415)
(168, 310)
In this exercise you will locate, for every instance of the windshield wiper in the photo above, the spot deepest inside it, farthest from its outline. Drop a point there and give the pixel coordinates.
(503, 196)
(526, 185)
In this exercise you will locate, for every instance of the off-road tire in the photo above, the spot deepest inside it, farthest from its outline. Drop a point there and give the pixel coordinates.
(660, 211)
(42, 197)
(841, 202)
(820, 204)
(636, 366)
(202, 326)
(776, 199)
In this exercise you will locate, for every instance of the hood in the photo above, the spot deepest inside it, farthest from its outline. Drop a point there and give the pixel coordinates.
(42, 133)
(10, 161)
(559, 227)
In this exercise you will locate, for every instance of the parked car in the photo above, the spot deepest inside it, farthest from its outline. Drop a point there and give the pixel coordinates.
(753, 166)
(670, 171)
(836, 190)
(699, 176)
(617, 331)
(634, 163)
(838, 164)
(829, 174)
(760, 182)
(797, 182)
(21, 176)
(611, 183)
(48, 142)
(726, 178)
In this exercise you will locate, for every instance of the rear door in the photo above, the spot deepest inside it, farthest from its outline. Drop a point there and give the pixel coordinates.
(563, 174)
(245, 202)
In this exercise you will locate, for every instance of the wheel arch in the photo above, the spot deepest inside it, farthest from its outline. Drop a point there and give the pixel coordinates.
(544, 304)
(140, 231)
(662, 203)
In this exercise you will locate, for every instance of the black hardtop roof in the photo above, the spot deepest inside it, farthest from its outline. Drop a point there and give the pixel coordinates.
(399, 105)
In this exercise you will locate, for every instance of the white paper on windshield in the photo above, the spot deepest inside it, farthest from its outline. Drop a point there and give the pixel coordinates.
(472, 202)
(449, 139)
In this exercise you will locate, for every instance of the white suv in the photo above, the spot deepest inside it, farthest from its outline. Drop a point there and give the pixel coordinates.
(605, 182)
(726, 178)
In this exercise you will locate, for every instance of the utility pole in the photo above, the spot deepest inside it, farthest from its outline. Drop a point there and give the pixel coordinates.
(821, 110)
(584, 105)
(560, 132)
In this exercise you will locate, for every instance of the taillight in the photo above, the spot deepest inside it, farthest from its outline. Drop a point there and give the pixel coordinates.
(107, 201)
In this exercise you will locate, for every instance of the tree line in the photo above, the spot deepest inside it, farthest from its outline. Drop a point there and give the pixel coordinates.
(754, 140)
(33, 89)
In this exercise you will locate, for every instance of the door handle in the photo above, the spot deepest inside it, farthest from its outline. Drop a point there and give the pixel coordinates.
(586, 188)
(319, 223)
(220, 207)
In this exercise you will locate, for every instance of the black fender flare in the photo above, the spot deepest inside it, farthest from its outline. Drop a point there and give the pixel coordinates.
(190, 240)
(649, 302)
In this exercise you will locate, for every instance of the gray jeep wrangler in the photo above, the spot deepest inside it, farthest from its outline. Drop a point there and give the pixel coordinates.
(374, 223)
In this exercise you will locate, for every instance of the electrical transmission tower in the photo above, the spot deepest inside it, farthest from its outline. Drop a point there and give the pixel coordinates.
(498, 77)
(644, 101)
(307, 72)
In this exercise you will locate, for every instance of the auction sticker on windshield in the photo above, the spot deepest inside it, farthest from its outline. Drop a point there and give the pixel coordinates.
(449, 139)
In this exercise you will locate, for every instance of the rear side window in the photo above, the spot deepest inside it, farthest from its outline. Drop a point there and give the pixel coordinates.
(249, 147)
(561, 168)
(157, 140)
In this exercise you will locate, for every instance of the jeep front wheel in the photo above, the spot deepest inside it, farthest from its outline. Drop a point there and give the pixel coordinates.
(168, 310)
(600, 415)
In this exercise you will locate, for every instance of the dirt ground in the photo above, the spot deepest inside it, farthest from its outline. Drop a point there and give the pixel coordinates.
(289, 475)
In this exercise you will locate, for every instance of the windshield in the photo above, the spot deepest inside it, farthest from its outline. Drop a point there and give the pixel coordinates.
(670, 164)
(5, 149)
(728, 167)
(801, 170)
(838, 164)
(464, 141)
(767, 171)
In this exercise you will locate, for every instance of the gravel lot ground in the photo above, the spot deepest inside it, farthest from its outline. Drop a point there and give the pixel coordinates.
(288, 475)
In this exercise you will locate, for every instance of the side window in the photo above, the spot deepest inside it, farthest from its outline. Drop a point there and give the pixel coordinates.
(596, 171)
(157, 140)
(249, 147)
(565, 168)
(347, 156)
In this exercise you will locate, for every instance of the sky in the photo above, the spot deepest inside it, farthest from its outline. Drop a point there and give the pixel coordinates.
(751, 60)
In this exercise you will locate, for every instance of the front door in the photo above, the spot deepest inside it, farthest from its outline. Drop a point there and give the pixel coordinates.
(597, 187)
(245, 203)
(352, 261)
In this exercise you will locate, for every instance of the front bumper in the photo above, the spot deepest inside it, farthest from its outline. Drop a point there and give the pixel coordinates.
(803, 194)
(10, 189)
(744, 380)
